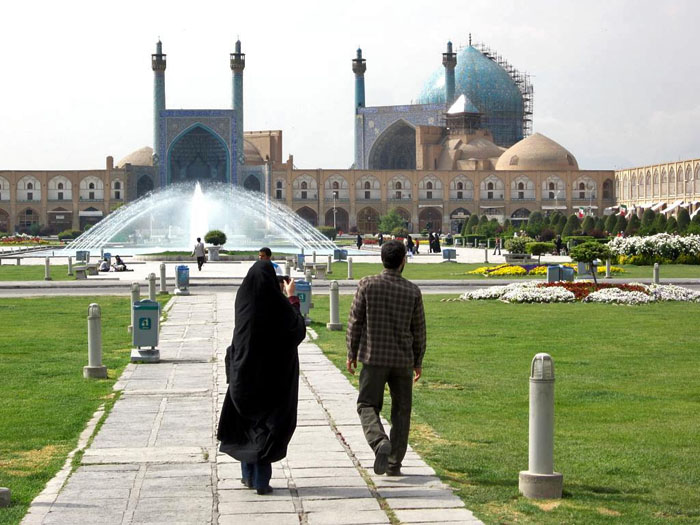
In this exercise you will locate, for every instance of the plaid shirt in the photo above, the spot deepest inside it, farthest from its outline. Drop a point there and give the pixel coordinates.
(387, 323)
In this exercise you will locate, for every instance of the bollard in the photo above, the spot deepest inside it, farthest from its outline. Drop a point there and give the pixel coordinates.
(135, 296)
(486, 255)
(607, 269)
(540, 481)
(656, 273)
(70, 265)
(163, 283)
(308, 277)
(313, 256)
(349, 268)
(17, 262)
(47, 269)
(334, 323)
(329, 262)
(285, 269)
(95, 369)
(5, 497)
(152, 286)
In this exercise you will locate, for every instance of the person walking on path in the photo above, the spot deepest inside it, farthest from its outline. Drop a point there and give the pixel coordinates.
(259, 414)
(199, 253)
(358, 241)
(497, 247)
(386, 333)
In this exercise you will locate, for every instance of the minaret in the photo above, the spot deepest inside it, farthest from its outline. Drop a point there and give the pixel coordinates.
(237, 67)
(449, 60)
(359, 67)
(158, 66)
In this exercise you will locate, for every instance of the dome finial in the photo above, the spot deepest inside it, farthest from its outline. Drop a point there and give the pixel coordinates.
(470, 39)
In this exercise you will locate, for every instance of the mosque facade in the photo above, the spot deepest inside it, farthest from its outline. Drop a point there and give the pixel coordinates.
(466, 147)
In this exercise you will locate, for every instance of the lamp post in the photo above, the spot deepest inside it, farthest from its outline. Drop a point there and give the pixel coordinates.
(335, 197)
(590, 188)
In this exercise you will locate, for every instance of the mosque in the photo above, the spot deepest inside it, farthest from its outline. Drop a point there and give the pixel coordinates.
(466, 147)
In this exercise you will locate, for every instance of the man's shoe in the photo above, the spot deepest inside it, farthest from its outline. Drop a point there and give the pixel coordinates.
(263, 491)
(247, 482)
(381, 460)
(394, 471)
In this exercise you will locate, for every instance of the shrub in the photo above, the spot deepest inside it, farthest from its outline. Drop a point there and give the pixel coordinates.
(633, 225)
(599, 224)
(571, 227)
(539, 248)
(660, 223)
(470, 224)
(517, 244)
(589, 252)
(390, 221)
(400, 231)
(620, 225)
(69, 234)
(672, 225)
(648, 217)
(683, 220)
(469, 239)
(587, 225)
(547, 235)
(610, 223)
(328, 231)
(215, 237)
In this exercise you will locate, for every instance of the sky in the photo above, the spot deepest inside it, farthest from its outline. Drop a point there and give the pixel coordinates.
(616, 81)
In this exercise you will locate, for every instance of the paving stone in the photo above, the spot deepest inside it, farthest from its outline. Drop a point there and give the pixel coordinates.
(436, 515)
(257, 519)
(260, 506)
(362, 517)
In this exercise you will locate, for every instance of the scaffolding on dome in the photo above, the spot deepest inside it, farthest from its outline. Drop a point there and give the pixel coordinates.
(521, 79)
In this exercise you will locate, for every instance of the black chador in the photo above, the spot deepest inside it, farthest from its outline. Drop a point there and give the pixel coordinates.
(259, 414)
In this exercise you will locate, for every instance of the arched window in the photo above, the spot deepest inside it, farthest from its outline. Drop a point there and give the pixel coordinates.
(581, 190)
(304, 186)
(117, 185)
(398, 185)
(279, 184)
(460, 185)
(60, 185)
(429, 186)
(489, 186)
(336, 186)
(367, 185)
(30, 186)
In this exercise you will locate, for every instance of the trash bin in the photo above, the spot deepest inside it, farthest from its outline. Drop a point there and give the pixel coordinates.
(108, 257)
(82, 256)
(182, 277)
(554, 273)
(304, 294)
(567, 273)
(449, 254)
(300, 261)
(146, 316)
(340, 255)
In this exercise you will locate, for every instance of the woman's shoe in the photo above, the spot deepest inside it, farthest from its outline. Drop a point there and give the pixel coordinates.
(266, 490)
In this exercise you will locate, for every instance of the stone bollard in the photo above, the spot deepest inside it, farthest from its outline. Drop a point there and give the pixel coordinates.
(70, 265)
(308, 277)
(163, 283)
(5, 497)
(313, 256)
(18, 261)
(329, 263)
(656, 273)
(47, 269)
(486, 255)
(334, 323)
(95, 369)
(135, 296)
(349, 268)
(151, 286)
(607, 269)
(540, 481)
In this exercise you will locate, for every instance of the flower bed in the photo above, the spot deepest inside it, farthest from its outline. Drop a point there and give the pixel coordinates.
(516, 270)
(662, 247)
(629, 294)
(21, 238)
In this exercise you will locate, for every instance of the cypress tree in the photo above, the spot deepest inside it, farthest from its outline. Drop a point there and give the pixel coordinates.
(471, 223)
(599, 224)
(660, 222)
(484, 220)
(648, 217)
(683, 220)
(620, 225)
(672, 225)
(610, 223)
(633, 225)
(588, 225)
(572, 225)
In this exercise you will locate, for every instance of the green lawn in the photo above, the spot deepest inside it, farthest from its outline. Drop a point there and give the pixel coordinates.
(627, 405)
(34, 272)
(460, 271)
(44, 400)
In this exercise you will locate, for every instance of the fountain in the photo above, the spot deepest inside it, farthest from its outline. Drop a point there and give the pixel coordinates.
(171, 219)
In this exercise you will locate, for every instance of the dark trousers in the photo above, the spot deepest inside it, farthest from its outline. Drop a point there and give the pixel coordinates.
(369, 406)
(200, 262)
(258, 474)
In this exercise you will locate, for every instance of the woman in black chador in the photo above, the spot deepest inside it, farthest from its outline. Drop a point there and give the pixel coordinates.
(262, 367)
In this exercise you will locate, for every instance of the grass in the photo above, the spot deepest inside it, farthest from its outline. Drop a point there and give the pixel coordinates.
(34, 272)
(627, 404)
(461, 271)
(44, 401)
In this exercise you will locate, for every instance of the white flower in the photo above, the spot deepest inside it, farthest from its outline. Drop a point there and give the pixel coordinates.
(553, 294)
(671, 292)
(495, 292)
(617, 296)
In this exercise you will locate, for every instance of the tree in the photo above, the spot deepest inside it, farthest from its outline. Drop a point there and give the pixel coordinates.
(672, 225)
(471, 224)
(610, 223)
(215, 237)
(620, 225)
(483, 220)
(599, 224)
(571, 227)
(588, 252)
(390, 221)
(696, 219)
(660, 222)
(633, 225)
(588, 225)
(683, 220)
(648, 217)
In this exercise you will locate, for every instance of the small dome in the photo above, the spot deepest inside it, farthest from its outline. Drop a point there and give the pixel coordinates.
(537, 152)
(140, 157)
(480, 148)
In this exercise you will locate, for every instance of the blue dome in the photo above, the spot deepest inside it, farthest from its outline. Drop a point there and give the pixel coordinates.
(489, 87)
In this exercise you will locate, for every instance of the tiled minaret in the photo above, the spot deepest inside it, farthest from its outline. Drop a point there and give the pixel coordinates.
(359, 67)
(237, 67)
(449, 60)
(158, 66)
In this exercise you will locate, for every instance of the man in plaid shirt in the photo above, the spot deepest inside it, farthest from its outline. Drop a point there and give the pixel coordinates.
(386, 332)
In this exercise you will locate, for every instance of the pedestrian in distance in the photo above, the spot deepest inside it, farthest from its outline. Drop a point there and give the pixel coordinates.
(259, 414)
(386, 333)
(497, 247)
(200, 253)
(358, 241)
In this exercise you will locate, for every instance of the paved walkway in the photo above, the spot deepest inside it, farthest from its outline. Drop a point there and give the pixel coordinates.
(155, 459)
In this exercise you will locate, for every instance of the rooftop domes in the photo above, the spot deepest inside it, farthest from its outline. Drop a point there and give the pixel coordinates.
(140, 157)
(537, 152)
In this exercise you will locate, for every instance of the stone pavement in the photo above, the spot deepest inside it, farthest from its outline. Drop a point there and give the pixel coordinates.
(155, 459)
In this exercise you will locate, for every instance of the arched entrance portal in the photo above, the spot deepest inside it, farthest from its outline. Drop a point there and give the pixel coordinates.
(430, 219)
(395, 149)
(367, 220)
(4, 221)
(252, 183)
(458, 218)
(308, 215)
(342, 221)
(198, 155)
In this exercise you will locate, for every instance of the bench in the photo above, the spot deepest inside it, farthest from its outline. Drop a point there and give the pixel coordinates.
(518, 258)
(80, 272)
(318, 269)
(92, 268)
